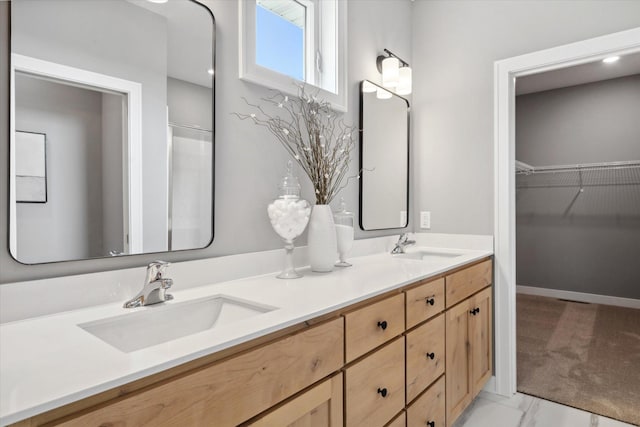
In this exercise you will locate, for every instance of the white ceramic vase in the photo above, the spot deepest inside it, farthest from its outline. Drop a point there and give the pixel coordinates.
(323, 249)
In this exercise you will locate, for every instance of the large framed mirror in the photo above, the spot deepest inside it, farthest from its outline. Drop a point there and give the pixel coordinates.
(122, 91)
(384, 158)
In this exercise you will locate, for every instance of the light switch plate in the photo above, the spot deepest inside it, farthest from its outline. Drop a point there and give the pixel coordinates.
(425, 220)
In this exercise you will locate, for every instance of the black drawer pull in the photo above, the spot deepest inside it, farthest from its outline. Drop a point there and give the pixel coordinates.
(431, 355)
(383, 326)
(474, 311)
(431, 423)
(383, 392)
(431, 301)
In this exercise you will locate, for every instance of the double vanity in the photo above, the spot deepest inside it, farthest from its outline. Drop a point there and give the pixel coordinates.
(394, 340)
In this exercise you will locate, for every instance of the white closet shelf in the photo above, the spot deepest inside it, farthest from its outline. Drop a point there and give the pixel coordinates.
(578, 175)
(526, 169)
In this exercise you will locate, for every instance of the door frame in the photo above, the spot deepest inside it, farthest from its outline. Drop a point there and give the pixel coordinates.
(133, 170)
(505, 73)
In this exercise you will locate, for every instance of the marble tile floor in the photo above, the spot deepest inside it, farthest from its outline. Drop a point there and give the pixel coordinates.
(521, 410)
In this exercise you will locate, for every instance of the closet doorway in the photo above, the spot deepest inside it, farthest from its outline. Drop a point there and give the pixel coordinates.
(505, 73)
(577, 195)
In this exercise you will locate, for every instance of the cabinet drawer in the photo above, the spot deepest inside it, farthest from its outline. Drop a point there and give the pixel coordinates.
(375, 387)
(424, 301)
(429, 409)
(373, 325)
(399, 421)
(234, 390)
(425, 356)
(466, 282)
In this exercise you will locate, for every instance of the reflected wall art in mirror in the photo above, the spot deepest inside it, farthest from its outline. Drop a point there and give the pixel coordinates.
(111, 148)
(384, 158)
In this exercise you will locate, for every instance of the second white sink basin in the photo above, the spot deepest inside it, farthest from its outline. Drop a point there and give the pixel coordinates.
(429, 255)
(165, 322)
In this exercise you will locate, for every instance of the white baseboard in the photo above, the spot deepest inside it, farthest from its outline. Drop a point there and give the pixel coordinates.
(579, 296)
(490, 386)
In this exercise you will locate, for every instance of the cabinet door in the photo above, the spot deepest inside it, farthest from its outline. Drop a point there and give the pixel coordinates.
(480, 336)
(459, 389)
(319, 407)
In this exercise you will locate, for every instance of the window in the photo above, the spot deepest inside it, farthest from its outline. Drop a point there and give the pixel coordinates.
(282, 41)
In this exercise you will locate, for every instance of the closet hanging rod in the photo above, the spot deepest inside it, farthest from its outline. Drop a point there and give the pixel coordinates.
(192, 127)
(525, 169)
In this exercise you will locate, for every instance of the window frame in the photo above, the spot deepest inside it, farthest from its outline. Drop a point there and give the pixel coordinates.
(328, 34)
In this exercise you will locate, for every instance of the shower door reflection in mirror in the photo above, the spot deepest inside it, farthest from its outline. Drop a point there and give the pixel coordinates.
(123, 91)
(384, 158)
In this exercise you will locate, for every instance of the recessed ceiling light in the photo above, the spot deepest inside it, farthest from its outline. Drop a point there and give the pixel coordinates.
(157, 1)
(210, 71)
(610, 59)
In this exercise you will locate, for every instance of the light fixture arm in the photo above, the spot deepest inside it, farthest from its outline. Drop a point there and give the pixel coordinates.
(389, 55)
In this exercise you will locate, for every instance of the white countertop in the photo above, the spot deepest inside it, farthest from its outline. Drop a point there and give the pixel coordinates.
(48, 361)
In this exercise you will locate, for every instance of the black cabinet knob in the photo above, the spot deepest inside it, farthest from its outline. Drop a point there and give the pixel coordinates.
(431, 355)
(382, 392)
(382, 325)
(431, 301)
(474, 311)
(431, 423)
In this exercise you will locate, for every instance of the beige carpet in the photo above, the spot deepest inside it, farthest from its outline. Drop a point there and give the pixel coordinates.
(582, 355)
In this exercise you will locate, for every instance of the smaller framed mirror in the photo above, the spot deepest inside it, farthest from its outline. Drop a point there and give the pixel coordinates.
(384, 158)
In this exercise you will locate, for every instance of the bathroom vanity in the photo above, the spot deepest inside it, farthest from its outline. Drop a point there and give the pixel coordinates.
(394, 340)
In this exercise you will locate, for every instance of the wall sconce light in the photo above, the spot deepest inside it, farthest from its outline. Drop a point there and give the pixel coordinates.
(396, 73)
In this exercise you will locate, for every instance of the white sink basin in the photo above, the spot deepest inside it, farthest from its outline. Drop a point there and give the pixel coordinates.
(164, 322)
(429, 255)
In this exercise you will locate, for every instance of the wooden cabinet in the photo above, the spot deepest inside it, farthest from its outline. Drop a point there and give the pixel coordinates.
(399, 421)
(429, 409)
(480, 332)
(320, 406)
(425, 356)
(234, 390)
(468, 347)
(368, 327)
(464, 283)
(375, 387)
(388, 363)
(424, 301)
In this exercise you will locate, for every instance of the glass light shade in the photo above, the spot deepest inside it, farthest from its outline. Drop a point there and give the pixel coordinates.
(383, 94)
(390, 72)
(368, 87)
(404, 85)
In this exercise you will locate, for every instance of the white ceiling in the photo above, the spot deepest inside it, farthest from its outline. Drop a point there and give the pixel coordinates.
(190, 39)
(579, 74)
(290, 10)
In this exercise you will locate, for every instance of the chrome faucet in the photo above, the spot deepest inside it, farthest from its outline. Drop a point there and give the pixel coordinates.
(155, 287)
(403, 242)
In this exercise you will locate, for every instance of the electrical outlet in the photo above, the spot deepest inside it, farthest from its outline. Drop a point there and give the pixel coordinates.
(425, 220)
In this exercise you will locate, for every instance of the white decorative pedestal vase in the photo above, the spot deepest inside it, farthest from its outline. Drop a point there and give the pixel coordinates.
(323, 249)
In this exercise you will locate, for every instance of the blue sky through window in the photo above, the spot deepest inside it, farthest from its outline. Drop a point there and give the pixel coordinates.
(279, 44)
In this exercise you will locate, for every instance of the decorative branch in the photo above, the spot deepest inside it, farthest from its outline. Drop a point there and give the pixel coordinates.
(313, 134)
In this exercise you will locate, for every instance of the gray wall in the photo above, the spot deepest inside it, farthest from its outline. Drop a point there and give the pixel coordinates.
(455, 44)
(590, 241)
(189, 104)
(249, 163)
(69, 225)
